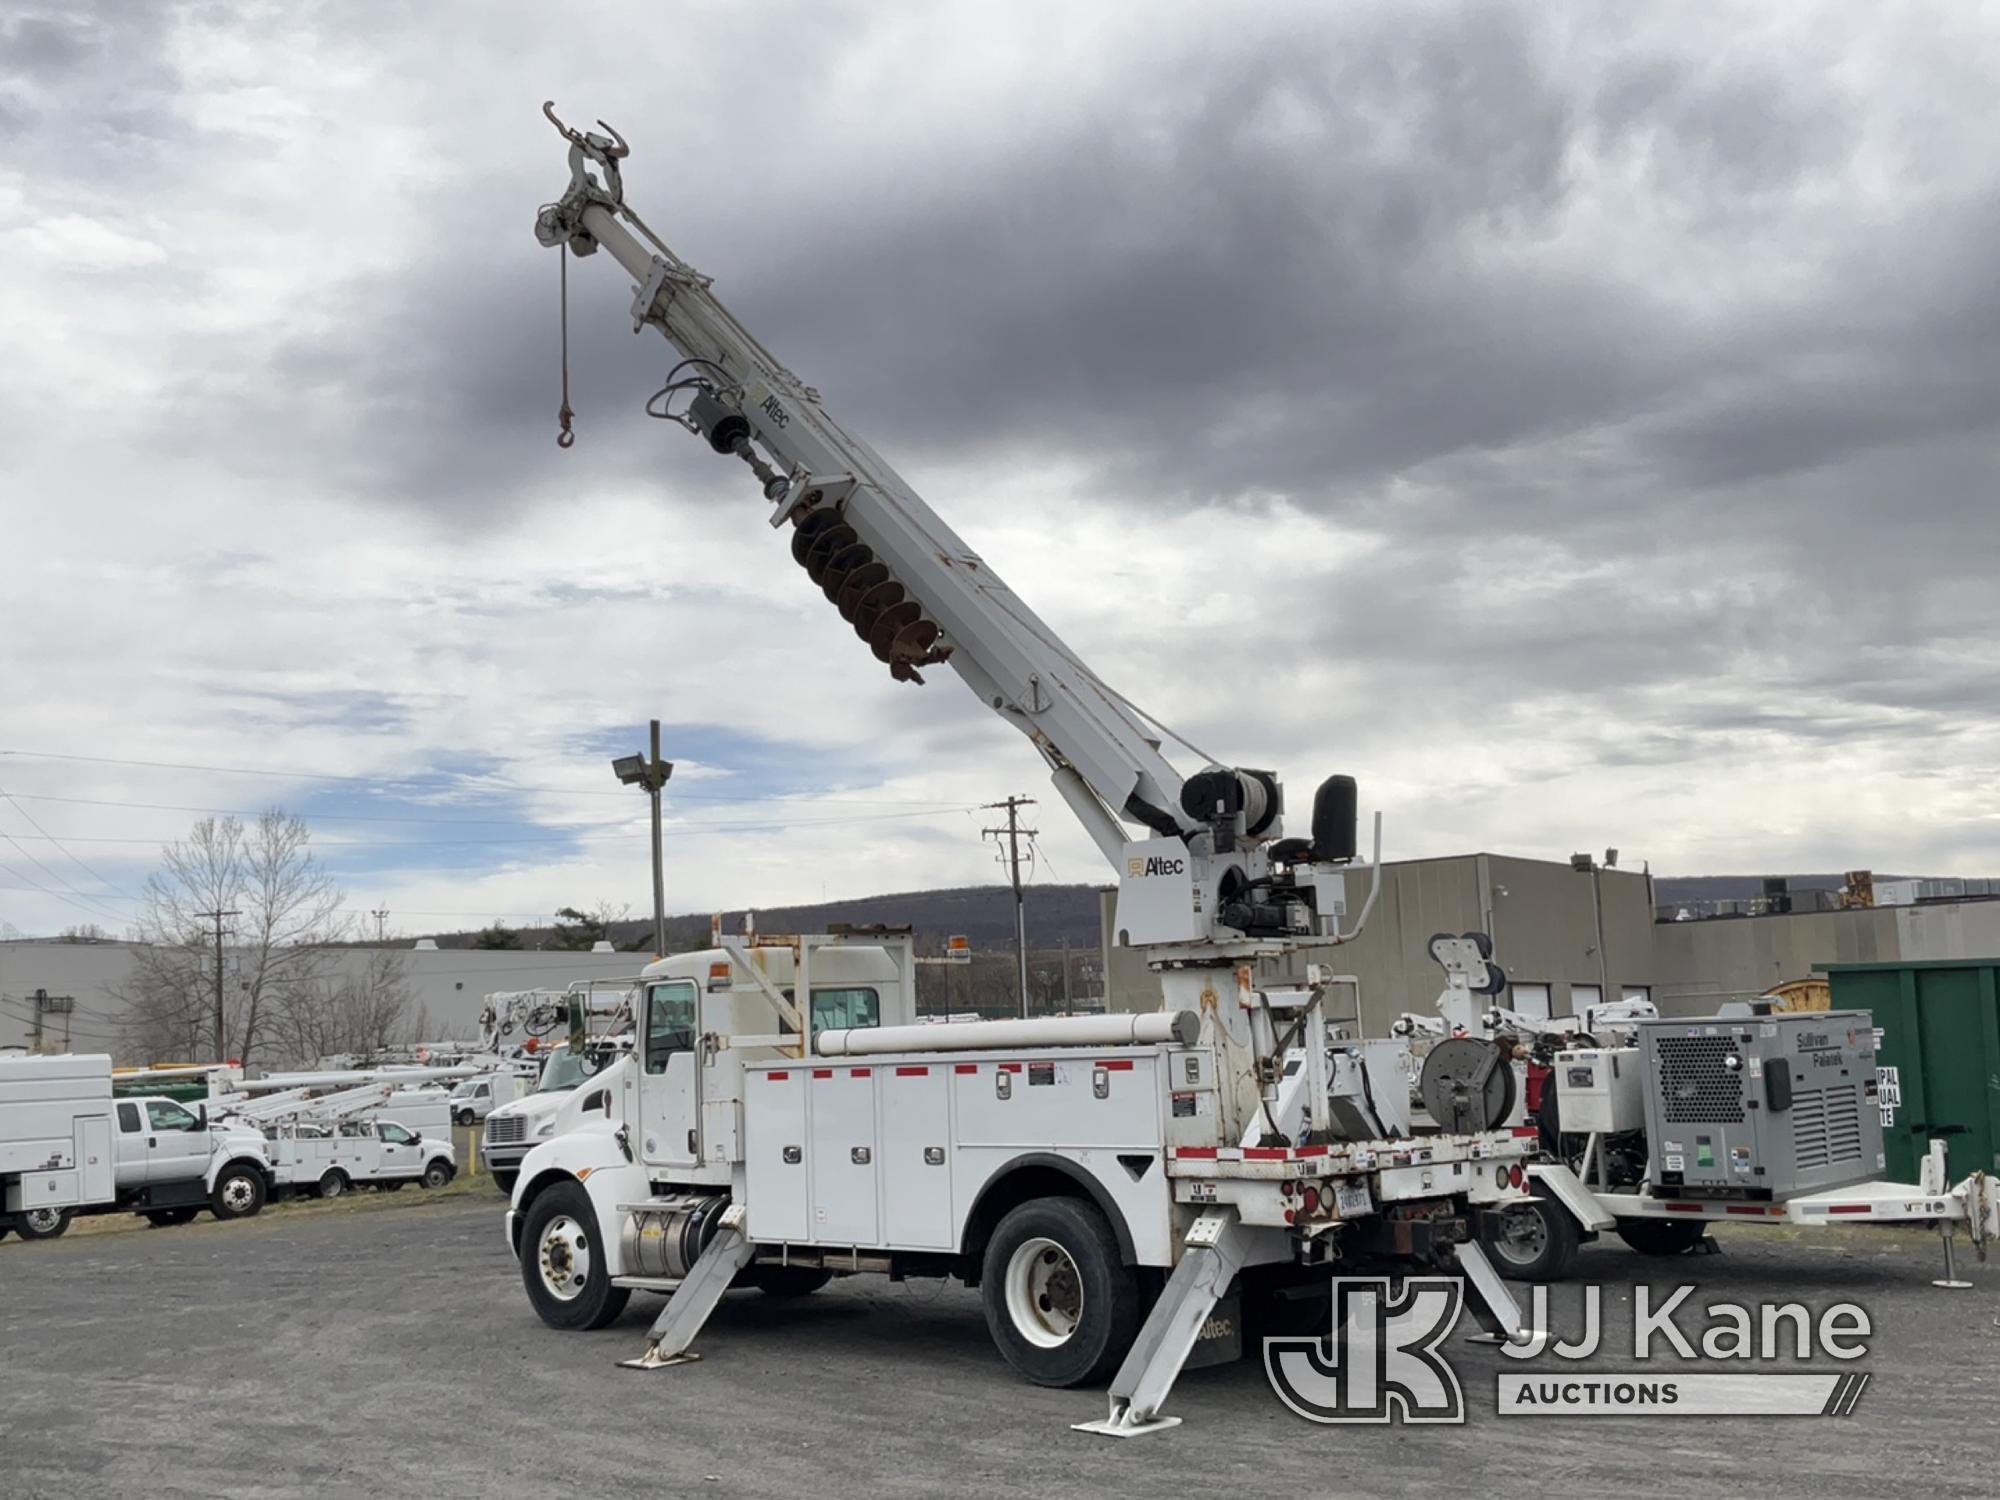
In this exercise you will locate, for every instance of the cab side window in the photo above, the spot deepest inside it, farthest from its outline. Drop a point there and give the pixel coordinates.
(396, 1135)
(845, 1009)
(170, 1117)
(670, 1023)
(128, 1118)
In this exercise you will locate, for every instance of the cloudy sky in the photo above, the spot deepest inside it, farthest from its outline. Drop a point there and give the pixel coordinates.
(1578, 423)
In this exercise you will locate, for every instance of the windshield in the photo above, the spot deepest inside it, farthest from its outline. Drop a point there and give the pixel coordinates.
(464, 1090)
(566, 1069)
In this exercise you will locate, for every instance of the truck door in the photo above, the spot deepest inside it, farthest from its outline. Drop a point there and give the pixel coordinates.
(669, 1101)
(177, 1144)
(131, 1145)
(399, 1151)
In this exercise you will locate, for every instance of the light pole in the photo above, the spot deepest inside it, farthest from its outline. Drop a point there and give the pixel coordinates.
(651, 773)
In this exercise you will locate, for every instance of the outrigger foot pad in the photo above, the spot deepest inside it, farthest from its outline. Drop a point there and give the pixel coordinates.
(652, 1359)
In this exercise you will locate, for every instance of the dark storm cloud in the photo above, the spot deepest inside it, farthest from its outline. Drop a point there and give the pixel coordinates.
(1659, 365)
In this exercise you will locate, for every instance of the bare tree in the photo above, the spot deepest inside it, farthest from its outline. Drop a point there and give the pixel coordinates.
(185, 997)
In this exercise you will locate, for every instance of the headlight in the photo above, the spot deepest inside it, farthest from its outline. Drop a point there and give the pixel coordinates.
(548, 1129)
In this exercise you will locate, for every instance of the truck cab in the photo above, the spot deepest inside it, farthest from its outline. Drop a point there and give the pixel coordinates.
(476, 1098)
(171, 1163)
(515, 1129)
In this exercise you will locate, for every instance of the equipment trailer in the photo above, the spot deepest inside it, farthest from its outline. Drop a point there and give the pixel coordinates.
(1067, 1168)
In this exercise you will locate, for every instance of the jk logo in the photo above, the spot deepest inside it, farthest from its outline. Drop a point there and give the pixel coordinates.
(1385, 1366)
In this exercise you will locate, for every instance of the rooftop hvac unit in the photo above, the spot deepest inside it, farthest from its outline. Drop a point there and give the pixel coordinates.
(1763, 1107)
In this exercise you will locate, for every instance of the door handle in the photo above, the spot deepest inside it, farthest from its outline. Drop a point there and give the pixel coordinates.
(152, 1141)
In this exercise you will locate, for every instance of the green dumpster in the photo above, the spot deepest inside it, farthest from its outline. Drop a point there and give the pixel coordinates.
(1939, 1059)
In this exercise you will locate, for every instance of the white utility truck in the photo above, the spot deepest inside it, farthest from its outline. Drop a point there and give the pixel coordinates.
(476, 1098)
(513, 1130)
(1105, 1180)
(55, 1142)
(1656, 1127)
(332, 1143)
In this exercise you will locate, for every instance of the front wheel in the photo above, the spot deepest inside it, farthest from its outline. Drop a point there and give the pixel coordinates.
(42, 1223)
(1661, 1236)
(562, 1265)
(1061, 1305)
(239, 1193)
(437, 1174)
(1534, 1241)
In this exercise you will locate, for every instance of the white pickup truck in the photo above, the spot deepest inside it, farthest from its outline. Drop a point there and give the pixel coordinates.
(327, 1159)
(172, 1164)
(67, 1148)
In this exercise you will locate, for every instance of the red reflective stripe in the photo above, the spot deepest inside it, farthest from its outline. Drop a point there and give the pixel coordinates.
(1264, 1153)
(913, 1072)
(1525, 1132)
(1849, 1208)
(1735, 1208)
(822, 1072)
(1199, 1153)
(860, 1072)
(1009, 1067)
(778, 1077)
(965, 1067)
(1116, 1065)
(1305, 1151)
(1684, 1208)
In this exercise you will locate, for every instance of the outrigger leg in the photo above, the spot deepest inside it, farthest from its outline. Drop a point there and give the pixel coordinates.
(695, 1298)
(1214, 1252)
(1499, 1315)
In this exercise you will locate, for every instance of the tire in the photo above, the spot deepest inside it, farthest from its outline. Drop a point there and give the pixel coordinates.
(1534, 1241)
(1661, 1236)
(787, 1281)
(565, 1273)
(1061, 1305)
(170, 1218)
(239, 1193)
(332, 1185)
(463, 1117)
(42, 1223)
(437, 1173)
(503, 1178)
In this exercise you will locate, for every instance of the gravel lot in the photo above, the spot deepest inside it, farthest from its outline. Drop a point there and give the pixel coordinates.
(382, 1346)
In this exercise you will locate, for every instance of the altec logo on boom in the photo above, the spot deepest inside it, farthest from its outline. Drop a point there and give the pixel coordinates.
(1155, 864)
(1383, 1362)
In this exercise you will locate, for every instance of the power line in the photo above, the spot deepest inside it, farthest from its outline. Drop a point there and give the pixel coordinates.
(52, 838)
(1014, 832)
(88, 911)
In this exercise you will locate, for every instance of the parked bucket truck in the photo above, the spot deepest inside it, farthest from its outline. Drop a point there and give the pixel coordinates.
(1105, 1181)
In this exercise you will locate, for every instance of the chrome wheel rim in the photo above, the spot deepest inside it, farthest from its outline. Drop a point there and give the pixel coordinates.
(238, 1194)
(42, 1220)
(564, 1257)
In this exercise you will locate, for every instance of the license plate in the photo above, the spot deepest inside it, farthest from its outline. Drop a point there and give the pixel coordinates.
(1351, 1200)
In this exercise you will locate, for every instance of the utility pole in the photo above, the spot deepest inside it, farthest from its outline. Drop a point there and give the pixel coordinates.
(1014, 833)
(650, 773)
(1067, 1005)
(221, 1028)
